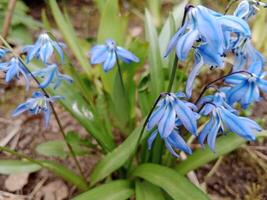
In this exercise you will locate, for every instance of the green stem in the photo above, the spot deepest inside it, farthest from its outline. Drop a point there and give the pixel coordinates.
(52, 107)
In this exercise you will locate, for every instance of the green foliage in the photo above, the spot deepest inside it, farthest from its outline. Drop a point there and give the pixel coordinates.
(115, 190)
(17, 166)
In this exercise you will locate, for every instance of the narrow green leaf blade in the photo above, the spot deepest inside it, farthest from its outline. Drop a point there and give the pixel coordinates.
(116, 158)
(52, 148)
(17, 166)
(176, 185)
(147, 191)
(65, 173)
(200, 157)
(116, 190)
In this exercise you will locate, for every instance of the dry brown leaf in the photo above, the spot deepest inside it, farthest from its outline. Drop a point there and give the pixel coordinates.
(9, 196)
(16, 182)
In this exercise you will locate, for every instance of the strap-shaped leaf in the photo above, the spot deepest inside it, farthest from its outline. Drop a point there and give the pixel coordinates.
(176, 185)
(147, 191)
(116, 190)
(116, 158)
(17, 166)
(200, 157)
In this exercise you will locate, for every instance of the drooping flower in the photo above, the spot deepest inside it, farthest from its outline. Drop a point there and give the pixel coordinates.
(245, 87)
(51, 74)
(39, 103)
(206, 26)
(170, 113)
(248, 8)
(13, 69)
(222, 117)
(44, 48)
(106, 55)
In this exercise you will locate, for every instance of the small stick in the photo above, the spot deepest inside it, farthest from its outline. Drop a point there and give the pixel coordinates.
(8, 18)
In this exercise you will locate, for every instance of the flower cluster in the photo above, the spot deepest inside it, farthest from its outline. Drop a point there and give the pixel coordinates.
(43, 49)
(212, 36)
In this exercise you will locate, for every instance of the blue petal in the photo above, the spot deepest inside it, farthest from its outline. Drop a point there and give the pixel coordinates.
(174, 40)
(46, 52)
(251, 124)
(58, 47)
(262, 84)
(214, 132)
(167, 122)
(186, 116)
(155, 117)
(178, 142)
(251, 95)
(209, 56)
(185, 43)
(234, 124)
(151, 139)
(237, 92)
(205, 131)
(99, 54)
(169, 147)
(11, 73)
(47, 115)
(195, 71)
(242, 10)
(235, 78)
(125, 54)
(20, 109)
(109, 62)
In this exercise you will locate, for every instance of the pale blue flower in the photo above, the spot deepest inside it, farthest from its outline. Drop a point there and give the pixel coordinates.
(245, 88)
(106, 55)
(222, 117)
(206, 26)
(51, 75)
(44, 48)
(170, 113)
(248, 8)
(13, 69)
(36, 105)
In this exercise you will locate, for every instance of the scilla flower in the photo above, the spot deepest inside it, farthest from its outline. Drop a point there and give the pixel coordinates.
(51, 74)
(245, 87)
(44, 48)
(108, 53)
(248, 8)
(222, 117)
(37, 104)
(170, 113)
(13, 69)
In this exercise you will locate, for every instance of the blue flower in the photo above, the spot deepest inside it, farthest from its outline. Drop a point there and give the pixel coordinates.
(13, 69)
(44, 48)
(106, 55)
(170, 113)
(37, 104)
(245, 88)
(248, 8)
(51, 74)
(3, 52)
(223, 116)
(206, 26)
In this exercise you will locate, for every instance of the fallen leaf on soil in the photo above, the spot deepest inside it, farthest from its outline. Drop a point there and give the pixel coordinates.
(56, 190)
(15, 182)
(9, 196)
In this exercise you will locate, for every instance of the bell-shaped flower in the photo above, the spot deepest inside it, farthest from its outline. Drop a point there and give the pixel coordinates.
(248, 8)
(44, 48)
(202, 56)
(51, 75)
(170, 113)
(223, 117)
(245, 87)
(206, 26)
(39, 103)
(13, 69)
(108, 53)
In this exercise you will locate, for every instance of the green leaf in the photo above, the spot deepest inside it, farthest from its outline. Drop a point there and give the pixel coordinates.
(200, 157)
(65, 173)
(52, 148)
(115, 190)
(155, 61)
(176, 185)
(70, 37)
(117, 158)
(17, 166)
(147, 191)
